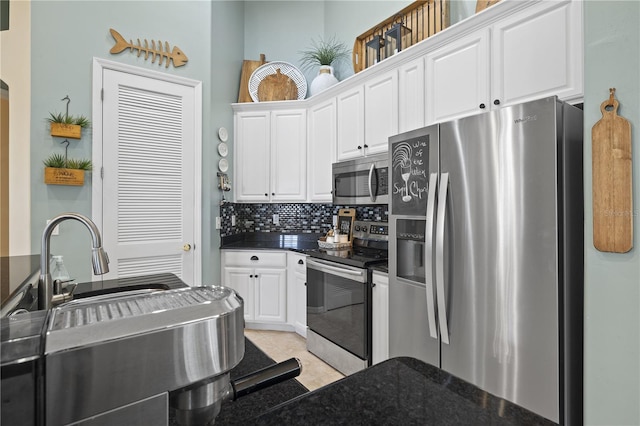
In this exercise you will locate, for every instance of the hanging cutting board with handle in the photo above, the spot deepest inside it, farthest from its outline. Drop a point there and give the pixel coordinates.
(612, 181)
(277, 87)
(248, 67)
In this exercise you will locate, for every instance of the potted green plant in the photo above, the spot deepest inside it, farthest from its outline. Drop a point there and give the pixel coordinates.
(60, 170)
(67, 126)
(325, 54)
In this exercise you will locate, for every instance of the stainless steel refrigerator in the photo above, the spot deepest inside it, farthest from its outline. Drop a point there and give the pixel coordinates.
(486, 253)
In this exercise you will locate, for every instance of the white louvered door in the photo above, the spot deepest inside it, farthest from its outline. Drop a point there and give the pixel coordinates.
(149, 196)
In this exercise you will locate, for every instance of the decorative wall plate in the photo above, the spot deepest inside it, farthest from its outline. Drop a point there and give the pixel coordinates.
(222, 149)
(222, 134)
(271, 68)
(223, 165)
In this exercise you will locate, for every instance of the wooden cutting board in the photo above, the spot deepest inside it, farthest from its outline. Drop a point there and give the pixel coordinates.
(248, 67)
(277, 87)
(612, 181)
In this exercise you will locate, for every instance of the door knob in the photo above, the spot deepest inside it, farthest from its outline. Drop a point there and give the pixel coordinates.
(186, 247)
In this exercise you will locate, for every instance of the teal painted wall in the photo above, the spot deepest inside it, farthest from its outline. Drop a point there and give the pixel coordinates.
(66, 35)
(612, 281)
(281, 29)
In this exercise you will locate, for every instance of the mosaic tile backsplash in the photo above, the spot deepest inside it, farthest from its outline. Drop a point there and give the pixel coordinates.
(292, 218)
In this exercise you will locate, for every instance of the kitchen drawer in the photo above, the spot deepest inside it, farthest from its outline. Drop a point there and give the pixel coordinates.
(298, 263)
(255, 258)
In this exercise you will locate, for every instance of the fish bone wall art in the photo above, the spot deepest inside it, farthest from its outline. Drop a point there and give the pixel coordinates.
(176, 55)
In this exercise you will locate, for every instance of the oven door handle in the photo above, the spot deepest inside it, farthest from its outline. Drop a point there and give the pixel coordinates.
(329, 267)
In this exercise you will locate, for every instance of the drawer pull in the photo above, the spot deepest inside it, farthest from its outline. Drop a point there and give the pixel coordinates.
(300, 262)
(254, 258)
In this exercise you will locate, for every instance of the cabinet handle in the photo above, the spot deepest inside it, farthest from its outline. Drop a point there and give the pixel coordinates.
(305, 284)
(266, 195)
(359, 147)
(251, 276)
(496, 102)
(255, 276)
(482, 106)
(273, 193)
(254, 258)
(300, 262)
(366, 146)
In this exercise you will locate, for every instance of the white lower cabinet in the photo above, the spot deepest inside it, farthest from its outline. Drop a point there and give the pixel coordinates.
(260, 278)
(297, 291)
(380, 317)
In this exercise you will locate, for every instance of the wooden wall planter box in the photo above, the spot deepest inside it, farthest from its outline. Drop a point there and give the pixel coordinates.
(55, 176)
(62, 130)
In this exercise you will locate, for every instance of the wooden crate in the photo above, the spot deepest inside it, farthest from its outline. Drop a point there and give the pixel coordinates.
(424, 18)
(55, 176)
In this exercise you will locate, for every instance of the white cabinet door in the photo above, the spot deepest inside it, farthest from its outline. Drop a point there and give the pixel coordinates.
(321, 130)
(288, 156)
(538, 53)
(297, 292)
(350, 124)
(380, 112)
(380, 317)
(457, 78)
(270, 295)
(241, 280)
(252, 153)
(411, 99)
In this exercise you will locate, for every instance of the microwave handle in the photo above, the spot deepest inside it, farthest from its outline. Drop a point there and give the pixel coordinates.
(371, 196)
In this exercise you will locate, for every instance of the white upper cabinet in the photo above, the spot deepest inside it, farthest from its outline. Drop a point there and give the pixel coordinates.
(350, 123)
(538, 53)
(457, 78)
(411, 99)
(289, 155)
(380, 112)
(321, 131)
(252, 151)
(271, 156)
(533, 53)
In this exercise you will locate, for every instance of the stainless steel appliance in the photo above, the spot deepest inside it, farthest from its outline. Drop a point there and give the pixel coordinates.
(486, 240)
(339, 298)
(124, 358)
(361, 181)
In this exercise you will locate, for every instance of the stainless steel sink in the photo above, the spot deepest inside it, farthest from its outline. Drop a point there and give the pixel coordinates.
(110, 352)
(136, 288)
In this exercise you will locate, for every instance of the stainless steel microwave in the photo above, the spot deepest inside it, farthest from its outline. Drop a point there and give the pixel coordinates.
(362, 181)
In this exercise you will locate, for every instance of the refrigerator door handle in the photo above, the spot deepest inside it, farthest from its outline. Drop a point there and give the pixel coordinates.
(442, 212)
(428, 254)
(371, 196)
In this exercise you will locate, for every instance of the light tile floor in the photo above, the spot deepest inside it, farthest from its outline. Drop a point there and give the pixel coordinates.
(282, 345)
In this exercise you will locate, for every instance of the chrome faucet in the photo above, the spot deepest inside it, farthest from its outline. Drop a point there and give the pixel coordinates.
(99, 257)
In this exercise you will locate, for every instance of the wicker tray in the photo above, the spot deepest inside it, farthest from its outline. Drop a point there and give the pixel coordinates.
(333, 246)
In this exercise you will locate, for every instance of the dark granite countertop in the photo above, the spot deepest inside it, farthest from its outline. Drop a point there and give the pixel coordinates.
(271, 241)
(399, 391)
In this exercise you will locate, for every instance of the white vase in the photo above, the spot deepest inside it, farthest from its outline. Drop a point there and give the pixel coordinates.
(323, 80)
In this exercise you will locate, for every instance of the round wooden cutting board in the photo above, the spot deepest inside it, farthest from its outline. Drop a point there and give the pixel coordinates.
(277, 87)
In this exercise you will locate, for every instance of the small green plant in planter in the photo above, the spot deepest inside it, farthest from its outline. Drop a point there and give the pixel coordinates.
(60, 170)
(325, 54)
(67, 126)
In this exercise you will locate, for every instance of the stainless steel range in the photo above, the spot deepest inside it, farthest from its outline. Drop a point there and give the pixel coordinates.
(339, 298)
